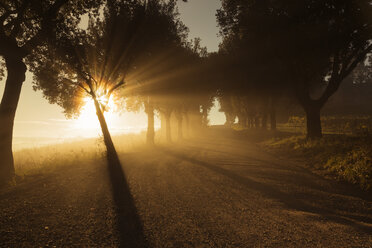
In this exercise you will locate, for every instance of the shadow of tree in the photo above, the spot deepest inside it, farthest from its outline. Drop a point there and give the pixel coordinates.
(289, 200)
(345, 188)
(128, 221)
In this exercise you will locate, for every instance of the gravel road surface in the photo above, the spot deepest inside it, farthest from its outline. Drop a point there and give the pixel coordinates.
(216, 192)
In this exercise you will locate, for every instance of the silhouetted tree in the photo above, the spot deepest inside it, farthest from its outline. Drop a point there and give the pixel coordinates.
(247, 30)
(316, 43)
(194, 92)
(167, 80)
(166, 35)
(329, 39)
(94, 62)
(24, 26)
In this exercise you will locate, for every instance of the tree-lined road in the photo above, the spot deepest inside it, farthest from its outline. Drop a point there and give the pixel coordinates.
(216, 192)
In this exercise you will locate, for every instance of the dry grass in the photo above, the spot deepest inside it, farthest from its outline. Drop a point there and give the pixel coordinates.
(46, 158)
(348, 157)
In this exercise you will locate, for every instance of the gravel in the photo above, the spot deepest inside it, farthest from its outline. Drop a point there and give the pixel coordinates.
(216, 192)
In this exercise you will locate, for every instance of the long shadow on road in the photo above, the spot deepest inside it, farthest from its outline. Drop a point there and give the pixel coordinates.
(292, 202)
(345, 189)
(129, 224)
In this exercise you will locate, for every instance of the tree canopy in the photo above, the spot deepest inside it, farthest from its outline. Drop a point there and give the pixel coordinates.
(308, 47)
(24, 27)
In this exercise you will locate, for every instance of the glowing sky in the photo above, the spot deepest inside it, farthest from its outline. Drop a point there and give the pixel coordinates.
(36, 118)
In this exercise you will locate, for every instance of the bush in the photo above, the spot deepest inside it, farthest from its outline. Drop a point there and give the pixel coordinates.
(354, 166)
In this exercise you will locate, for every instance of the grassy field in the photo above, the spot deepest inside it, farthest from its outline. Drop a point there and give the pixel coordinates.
(45, 158)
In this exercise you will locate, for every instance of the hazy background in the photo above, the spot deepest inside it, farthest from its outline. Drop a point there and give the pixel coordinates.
(37, 122)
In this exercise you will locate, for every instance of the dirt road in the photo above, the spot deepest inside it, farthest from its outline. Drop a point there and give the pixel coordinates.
(211, 193)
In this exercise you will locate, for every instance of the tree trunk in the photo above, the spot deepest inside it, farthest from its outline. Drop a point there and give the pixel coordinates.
(168, 134)
(162, 125)
(265, 113)
(187, 125)
(272, 116)
(250, 121)
(264, 120)
(111, 151)
(245, 121)
(149, 109)
(228, 119)
(16, 70)
(272, 119)
(256, 122)
(240, 120)
(180, 120)
(205, 116)
(313, 125)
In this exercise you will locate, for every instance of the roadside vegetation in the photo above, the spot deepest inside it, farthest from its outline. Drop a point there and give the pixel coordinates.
(45, 159)
(344, 157)
(359, 125)
(348, 157)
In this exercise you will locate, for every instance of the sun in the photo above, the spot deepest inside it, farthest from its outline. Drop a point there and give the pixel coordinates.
(88, 118)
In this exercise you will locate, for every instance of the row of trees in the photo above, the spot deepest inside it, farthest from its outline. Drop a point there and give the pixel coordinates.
(119, 48)
(138, 51)
(290, 49)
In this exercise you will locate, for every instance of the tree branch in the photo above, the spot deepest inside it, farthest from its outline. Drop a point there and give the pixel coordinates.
(121, 83)
(345, 72)
(77, 84)
(338, 76)
(48, 17)
(17, 21)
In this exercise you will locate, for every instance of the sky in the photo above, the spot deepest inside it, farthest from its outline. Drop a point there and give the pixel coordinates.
(37, 121)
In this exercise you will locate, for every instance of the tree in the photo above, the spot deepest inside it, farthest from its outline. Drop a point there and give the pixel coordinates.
(168, 83)
(166, 36)
(95, 62)
(191, 88)
(318, 44)
(255, 74)
(24, 26)
(343, 39)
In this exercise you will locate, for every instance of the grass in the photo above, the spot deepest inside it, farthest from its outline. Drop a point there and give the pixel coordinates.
(347, 157)
(43, 159)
